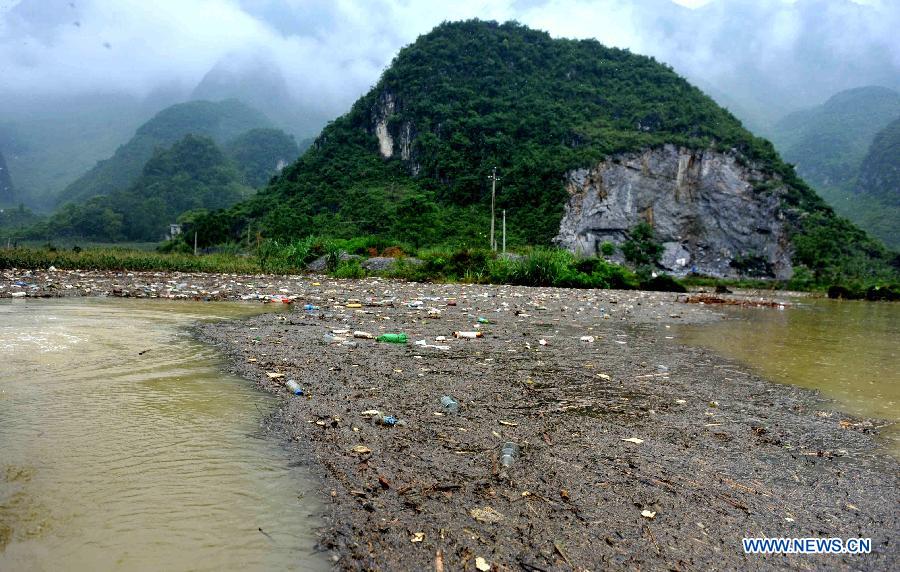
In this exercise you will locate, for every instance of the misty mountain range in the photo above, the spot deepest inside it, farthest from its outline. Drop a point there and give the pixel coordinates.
(763, 60)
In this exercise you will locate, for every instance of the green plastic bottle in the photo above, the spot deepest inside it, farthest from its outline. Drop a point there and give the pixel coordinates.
(393, 338)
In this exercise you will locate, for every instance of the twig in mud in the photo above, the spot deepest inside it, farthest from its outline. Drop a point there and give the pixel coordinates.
(651, 375)
(529, 567)
(652, 538)
(559, 550)
(737, 485)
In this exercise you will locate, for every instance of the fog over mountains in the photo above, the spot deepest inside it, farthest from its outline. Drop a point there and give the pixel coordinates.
(768, 56)
(303, 62)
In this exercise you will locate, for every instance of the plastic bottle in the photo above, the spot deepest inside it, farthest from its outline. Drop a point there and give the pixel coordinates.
(294, 387)
(483, 321)
(509, 452)
(449, 404)
(310, 307)
(380, 418)
(393, 338)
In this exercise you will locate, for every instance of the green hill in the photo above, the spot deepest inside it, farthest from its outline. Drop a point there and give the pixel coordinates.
(879, 175)
(261, 153)
(828, 143)
(220, 121)
(192, 175)
(875, 199)
(410, 160)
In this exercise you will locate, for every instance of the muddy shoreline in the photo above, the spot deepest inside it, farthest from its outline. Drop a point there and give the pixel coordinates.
(723, 454)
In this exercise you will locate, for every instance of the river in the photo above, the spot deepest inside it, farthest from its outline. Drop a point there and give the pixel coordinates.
(124, 446)
(848, 350)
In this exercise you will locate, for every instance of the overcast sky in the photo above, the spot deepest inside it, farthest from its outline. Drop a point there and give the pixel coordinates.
(332, 51)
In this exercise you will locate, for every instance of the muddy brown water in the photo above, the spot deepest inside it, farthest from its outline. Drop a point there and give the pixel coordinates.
(848, 350)
(124, 446)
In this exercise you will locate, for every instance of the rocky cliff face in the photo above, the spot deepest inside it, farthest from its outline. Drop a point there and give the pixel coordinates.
(6, 188)
(394, 137)
(701, 203)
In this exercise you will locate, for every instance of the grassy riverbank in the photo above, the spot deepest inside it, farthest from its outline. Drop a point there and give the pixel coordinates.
(116, 259)
(347, 259)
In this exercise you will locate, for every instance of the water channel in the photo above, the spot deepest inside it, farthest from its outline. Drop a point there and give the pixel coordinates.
(848, 350)
(124, 446)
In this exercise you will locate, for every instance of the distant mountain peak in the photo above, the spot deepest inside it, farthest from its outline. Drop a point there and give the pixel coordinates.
(257, 80)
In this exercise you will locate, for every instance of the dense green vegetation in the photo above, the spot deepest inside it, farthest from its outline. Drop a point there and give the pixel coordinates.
(176, 184)
(642, 248)
(124, 259)
(260, 153)
(474, 95)
(533, 267)
(15, 221)
(539, 267)
(828, 143)
(874, 203)
(477, 95)
(830, 146)
(222, 122)
(194, 174)
(879, 175)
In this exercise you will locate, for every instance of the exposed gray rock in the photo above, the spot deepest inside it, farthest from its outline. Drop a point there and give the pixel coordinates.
(701, 203)
(320, 263)
(393, 135)
(675, 257)
(383, 263)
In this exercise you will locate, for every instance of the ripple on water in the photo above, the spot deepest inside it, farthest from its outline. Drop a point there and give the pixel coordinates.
(125, 447)
(41, 341)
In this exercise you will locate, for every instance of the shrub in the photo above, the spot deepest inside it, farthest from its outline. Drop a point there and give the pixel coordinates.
(642, 247)
(662, 283)
(349, 269)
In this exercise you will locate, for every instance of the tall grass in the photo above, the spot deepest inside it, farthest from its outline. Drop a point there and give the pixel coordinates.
(537, 267)
(123, 259)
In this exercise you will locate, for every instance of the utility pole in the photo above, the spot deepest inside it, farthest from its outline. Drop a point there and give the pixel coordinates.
(195, 243)
(494, 178)
(504, 231)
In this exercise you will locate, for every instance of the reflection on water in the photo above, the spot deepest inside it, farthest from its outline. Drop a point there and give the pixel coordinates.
(848, 350)
(123, 446)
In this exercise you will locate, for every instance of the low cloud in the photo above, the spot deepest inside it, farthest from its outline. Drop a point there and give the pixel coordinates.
(332, 51)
